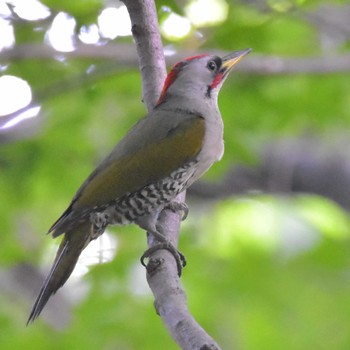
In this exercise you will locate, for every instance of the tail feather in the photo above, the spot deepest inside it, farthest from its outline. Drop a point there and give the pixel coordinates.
(66, 258)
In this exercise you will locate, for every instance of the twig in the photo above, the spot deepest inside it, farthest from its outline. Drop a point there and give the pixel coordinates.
(170, 299)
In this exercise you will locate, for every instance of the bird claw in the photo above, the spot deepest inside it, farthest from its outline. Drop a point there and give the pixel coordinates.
(176, 206)
(179, 257)
(99, 221)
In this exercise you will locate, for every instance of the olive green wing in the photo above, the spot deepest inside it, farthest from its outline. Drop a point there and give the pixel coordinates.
(143, 157)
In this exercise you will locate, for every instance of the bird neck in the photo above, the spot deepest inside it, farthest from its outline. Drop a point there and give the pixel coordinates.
(190, 104)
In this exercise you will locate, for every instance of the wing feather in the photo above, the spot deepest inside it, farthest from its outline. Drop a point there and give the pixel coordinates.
(154, 161)
(152, 150)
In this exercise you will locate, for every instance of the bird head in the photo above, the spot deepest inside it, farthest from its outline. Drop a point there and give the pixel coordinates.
(201, 76)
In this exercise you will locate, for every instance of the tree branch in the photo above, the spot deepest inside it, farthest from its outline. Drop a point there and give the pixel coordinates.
(170, 298)
(126, 55)
(303, 165)
(149, 48)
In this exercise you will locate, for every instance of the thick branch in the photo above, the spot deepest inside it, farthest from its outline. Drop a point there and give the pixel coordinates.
(170, 299)
(149, 48)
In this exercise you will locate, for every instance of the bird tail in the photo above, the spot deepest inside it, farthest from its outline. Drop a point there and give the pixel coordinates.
(73, 243)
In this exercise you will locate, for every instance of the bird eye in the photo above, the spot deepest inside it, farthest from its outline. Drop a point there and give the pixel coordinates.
(212, 66)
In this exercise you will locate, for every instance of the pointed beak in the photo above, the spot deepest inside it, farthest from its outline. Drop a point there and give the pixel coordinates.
(231, 59)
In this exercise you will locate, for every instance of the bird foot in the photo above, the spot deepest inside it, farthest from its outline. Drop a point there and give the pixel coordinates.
(99, 223)
(176, 206)
(179, 257)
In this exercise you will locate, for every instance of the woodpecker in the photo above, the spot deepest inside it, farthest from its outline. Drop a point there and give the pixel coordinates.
(161, 156)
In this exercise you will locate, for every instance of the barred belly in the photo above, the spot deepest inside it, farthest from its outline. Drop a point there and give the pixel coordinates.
(131, 206)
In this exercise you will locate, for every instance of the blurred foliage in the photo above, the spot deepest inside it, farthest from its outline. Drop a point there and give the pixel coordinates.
(264, 272)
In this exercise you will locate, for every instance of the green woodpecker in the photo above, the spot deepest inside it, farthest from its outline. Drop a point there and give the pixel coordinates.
(161, 156)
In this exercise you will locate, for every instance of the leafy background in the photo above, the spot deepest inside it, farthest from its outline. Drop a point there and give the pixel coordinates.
(266, 269)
